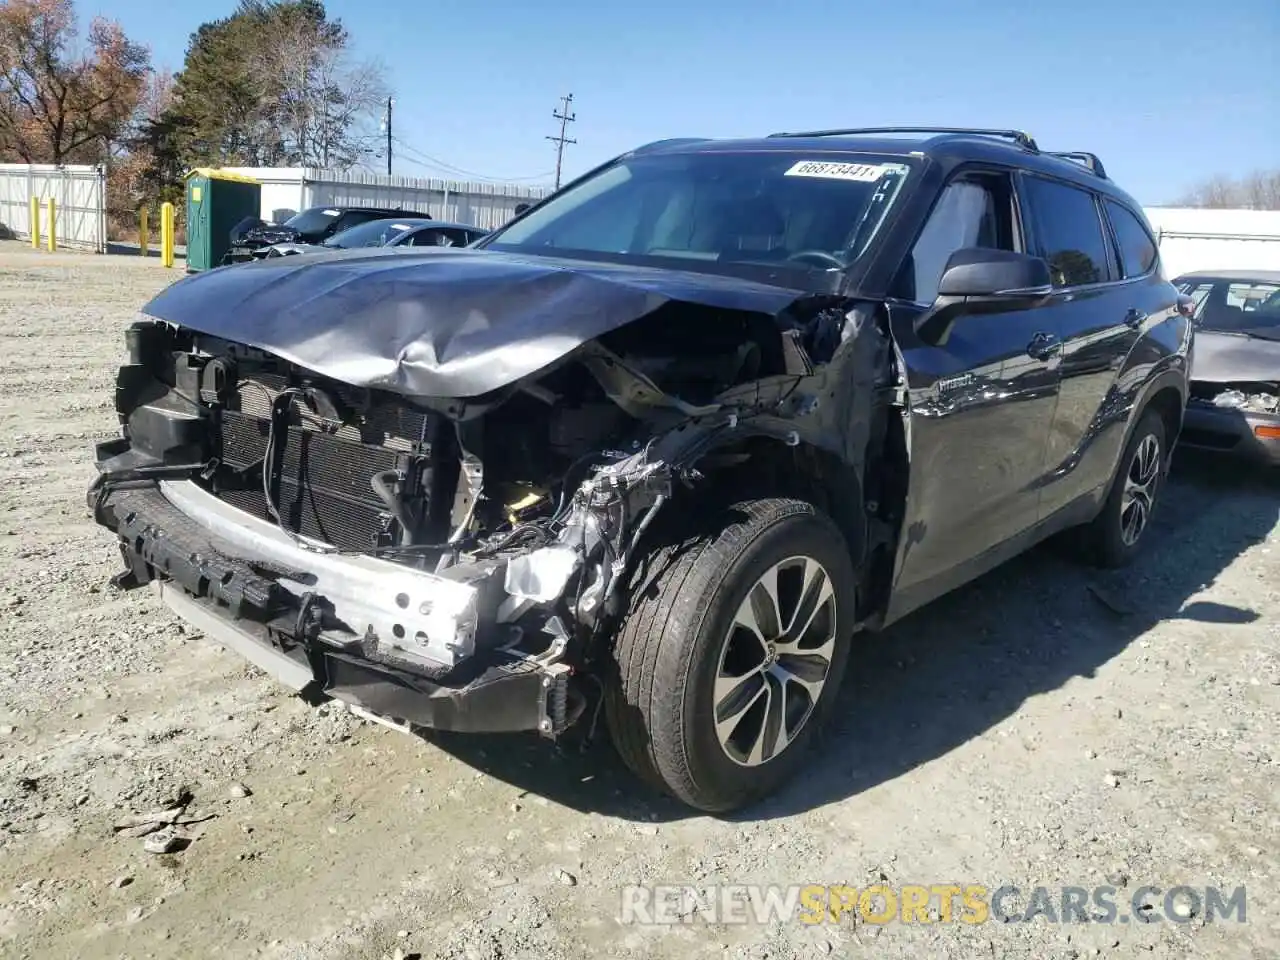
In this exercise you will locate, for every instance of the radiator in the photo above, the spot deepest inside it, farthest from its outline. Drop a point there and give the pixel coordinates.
(325, 468)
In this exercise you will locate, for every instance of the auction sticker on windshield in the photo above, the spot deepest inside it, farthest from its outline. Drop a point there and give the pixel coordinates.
(830, 170)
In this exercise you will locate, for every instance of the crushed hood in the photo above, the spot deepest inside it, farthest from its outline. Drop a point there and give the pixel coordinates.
(443, 322)
(269, 233)
(1227, 358)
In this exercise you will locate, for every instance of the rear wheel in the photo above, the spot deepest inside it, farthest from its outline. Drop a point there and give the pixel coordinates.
(732, 653)
(1117, 533)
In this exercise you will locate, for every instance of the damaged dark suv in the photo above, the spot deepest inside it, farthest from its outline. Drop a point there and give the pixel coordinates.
(665, 448)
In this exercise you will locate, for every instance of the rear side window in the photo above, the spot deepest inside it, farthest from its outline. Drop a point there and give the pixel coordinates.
(1137, 249)
(1068, 232)
(353, 217)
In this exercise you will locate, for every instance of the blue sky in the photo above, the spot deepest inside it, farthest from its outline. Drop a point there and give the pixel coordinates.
(1167, 93)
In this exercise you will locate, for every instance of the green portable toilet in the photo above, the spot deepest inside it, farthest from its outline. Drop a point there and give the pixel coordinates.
(216, 201)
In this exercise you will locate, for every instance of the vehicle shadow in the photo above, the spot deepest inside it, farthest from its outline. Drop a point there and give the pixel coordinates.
(127, 248)
(958, 667)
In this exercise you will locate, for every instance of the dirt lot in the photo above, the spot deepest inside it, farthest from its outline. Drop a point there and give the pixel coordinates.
(1045, 726)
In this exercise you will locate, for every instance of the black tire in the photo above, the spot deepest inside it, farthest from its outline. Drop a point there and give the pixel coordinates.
(1104, 541)
(684, 600)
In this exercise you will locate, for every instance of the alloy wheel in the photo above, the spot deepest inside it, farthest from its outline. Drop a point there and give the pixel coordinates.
(1140, 490)
(775, 661)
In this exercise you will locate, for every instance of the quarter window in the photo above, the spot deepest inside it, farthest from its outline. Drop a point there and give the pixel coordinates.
(1137, 249)
(1068, 232)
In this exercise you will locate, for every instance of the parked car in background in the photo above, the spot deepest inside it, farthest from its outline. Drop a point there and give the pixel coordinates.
(372, 233)
(251, 239)
(1234, 406)
(663, 449)
(437, 233)
(392, 232)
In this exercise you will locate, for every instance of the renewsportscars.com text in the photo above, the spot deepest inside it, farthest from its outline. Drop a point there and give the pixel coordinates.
(927, 903)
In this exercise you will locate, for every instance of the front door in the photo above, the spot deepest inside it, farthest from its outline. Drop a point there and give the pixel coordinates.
(981, 404)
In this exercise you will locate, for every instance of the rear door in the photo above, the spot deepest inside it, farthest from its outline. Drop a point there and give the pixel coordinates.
(981, 404)
(353, 218)
(1106, 294)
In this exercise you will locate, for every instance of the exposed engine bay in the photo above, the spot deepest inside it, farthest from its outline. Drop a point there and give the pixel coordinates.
(429, 535)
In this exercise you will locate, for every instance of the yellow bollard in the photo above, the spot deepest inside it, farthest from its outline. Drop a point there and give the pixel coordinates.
(52, 209)
(144, 233)
(166, 234)
(35, 223)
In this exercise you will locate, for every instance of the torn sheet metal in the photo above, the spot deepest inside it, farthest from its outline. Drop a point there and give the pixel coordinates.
(543, 575)
(1250, 403)
(1226, 358)
(440, 322)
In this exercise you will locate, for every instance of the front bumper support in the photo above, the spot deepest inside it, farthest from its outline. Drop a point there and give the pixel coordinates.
(240, 602)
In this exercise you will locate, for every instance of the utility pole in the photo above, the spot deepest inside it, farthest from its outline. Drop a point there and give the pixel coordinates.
(565, 118)
(387, 123)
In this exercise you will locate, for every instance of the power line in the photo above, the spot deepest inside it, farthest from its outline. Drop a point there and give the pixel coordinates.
(565, 118)
(422, 159)
(439, 166)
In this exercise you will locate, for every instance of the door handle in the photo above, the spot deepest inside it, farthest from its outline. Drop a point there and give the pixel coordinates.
(1134, 318)
(1042, 346)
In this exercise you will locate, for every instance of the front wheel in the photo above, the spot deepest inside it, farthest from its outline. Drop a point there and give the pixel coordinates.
(732, 652)
(1117, 533)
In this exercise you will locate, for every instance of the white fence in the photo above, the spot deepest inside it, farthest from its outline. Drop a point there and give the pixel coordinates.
(79, 193)
(485, 205)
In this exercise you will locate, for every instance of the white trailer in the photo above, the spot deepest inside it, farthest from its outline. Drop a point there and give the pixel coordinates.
(1195, 239)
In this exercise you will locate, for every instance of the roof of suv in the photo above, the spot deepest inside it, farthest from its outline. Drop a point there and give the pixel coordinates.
(1010, 148)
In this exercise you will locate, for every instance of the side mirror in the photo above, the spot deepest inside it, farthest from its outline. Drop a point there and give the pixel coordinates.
(1187, 307)
(978, 272)
(982, 279)
(521, 208)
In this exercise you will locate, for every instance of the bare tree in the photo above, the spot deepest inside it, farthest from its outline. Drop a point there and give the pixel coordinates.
(1262, 190)
(348, 98)
(1258, 191)
(322, 102)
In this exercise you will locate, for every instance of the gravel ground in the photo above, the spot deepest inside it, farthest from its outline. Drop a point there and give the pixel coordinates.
(1044, 726)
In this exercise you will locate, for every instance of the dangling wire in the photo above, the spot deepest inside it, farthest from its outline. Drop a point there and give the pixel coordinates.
(280, 405)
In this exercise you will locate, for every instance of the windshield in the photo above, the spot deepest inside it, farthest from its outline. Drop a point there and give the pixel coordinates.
(374, 233)
(776, 208)
(1244, 307)
(313, 220)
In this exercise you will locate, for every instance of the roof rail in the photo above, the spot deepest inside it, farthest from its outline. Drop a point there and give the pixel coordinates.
(668, 142)
(1022, 139)
(1089, 160)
